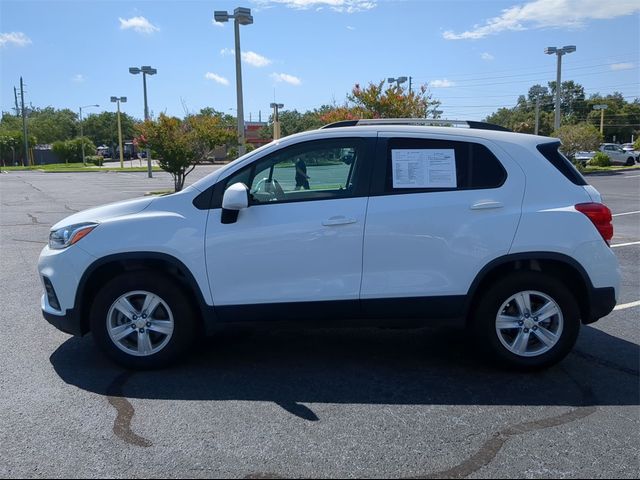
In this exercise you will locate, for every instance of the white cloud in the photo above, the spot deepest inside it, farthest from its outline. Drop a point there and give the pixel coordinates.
(622, 66)
(252, 58)
(217, 24)
(78, 78)
(548, 13)
(444, 83)
(18, 39)
(216, 78)
(487, 56)
(286, 78)
(342, 6)
(349, 27)
(139, 24)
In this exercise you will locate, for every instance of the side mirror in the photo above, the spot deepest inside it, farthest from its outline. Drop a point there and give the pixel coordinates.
(235, 198)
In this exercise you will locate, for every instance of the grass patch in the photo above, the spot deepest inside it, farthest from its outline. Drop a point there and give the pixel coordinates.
(593, 169)
(77, 167)
(159, 193)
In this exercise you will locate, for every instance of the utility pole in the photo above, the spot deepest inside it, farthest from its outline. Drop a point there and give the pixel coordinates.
(15, 96)
(276, 120)
(24, 127)
(118, 100)
(410, 79)
(602, 108)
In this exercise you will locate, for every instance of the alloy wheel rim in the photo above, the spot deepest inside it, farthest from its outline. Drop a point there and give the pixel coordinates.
(140, 323)
(529, 323)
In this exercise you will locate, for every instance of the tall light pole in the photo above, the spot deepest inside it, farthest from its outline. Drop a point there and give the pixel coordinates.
(242, 16)
(146, 70)
(276, 119)
(559, 52)
(118, 100)
(602, 108)
(397, 81)
(81, 135)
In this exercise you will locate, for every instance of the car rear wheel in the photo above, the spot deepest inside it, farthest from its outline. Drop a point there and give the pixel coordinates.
(527, 320)
(143, 320)
(630, 162)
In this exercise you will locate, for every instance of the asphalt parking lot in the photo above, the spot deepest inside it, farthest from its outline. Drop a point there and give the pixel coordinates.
(318, 403)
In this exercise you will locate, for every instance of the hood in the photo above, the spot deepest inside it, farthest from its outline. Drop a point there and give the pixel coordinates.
(105, 212)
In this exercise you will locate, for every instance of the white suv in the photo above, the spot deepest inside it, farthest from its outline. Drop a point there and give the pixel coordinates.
(377, 221)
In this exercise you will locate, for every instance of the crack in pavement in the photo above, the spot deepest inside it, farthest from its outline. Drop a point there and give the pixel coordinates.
(606, 363)
(490, 449)
(125, 412)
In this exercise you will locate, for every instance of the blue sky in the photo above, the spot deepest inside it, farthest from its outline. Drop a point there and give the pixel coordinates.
(476, 56)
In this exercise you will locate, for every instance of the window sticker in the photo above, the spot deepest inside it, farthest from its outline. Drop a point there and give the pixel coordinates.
(424, 168)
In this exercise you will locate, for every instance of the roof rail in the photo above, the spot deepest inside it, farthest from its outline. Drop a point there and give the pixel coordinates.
(418, 121)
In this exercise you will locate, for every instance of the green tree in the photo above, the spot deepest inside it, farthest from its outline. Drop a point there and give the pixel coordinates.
(49, 125)
(576, 138)
(102, 128)
(180, 145)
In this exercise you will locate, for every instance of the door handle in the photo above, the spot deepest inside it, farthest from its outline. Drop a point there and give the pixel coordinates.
(333, 221)
(486, 205)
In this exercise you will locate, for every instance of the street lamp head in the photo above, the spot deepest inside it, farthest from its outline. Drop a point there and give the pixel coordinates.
(402, 79)
(134, 70)
(569, 48)
(391, 80)
(220, 16)
(123, 99)
(114, 99)
(550, 50)
(148, 70)
(279, 105)
(243, 16)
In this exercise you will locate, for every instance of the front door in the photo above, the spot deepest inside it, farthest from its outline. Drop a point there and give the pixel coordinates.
(300, 240)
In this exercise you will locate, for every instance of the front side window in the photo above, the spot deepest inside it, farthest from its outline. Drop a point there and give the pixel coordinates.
(321, 169)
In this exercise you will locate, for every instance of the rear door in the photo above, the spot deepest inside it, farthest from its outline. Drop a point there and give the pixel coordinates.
(439, 211)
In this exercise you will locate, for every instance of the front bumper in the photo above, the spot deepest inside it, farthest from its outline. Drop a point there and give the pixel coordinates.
(69, 322)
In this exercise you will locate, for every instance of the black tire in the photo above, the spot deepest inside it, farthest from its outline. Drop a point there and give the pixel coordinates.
(179, 306)
(485, 314)
(630, 161)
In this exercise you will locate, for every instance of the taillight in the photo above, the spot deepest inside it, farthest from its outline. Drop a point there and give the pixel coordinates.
(600, 216)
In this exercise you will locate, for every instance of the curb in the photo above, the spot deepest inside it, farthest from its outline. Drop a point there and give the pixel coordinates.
(611, 172)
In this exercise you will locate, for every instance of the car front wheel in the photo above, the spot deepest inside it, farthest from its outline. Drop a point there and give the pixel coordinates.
(143, 320)
(527, 320)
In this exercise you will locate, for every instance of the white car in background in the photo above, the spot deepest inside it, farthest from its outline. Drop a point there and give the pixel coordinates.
(628, 147)
(618, 155)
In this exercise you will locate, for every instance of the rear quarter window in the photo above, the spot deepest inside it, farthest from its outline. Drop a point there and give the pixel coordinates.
(563, 165)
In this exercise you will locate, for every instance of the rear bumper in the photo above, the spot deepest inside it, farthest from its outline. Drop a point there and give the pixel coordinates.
(602, 302)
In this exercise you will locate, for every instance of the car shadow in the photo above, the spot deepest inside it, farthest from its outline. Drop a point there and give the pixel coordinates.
(364, 366)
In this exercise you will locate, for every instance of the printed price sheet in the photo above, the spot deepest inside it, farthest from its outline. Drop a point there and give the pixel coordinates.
(424, 168)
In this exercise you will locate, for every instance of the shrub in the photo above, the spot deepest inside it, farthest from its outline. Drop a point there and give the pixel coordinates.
(95, 160)
(600, 159)
(70, 151)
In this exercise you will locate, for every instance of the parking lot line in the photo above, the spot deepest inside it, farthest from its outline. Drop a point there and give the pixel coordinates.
(627, 305)
(625, 244)
(626, 213)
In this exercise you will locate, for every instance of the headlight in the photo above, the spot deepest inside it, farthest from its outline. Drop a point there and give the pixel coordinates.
(66, 236)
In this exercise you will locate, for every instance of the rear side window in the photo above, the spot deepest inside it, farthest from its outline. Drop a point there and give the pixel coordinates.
(424, 165)
(557, 159)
